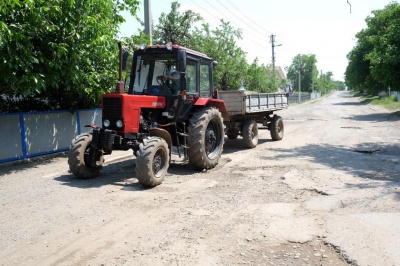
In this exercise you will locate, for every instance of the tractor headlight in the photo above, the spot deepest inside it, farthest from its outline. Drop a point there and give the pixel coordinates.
(119, 124)
(106, 123)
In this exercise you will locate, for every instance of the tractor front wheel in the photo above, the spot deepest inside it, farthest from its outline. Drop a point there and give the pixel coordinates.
(152, 161)
(84, 161)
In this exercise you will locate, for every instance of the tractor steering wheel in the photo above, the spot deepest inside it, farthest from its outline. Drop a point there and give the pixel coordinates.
(161, 80)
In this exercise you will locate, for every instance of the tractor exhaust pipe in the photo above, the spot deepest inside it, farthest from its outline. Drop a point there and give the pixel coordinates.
(120, 84)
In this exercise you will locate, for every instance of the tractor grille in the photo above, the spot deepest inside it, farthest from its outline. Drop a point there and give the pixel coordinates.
(112, 108)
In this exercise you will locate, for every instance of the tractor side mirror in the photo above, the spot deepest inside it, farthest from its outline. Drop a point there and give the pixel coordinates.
(181, 60)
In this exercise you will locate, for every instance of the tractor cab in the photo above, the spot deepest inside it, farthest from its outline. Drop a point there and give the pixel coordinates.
(171, 71)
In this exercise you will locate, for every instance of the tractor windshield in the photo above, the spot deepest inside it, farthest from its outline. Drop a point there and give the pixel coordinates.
(156, 74)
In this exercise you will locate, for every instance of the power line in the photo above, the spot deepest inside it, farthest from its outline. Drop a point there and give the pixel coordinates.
(237, 16)
(251, 29)
(204, 10)
(257, 36)
(255, 23)
(256, 30)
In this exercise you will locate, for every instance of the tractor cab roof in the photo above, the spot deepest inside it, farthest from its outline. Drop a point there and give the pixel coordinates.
(171, 47)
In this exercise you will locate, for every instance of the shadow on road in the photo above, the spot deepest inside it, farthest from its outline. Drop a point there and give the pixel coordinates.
(379, 117)
(121, 173)
(112, 173)
(350, 103)
(236, 145)
(375, 161)
(34, 162)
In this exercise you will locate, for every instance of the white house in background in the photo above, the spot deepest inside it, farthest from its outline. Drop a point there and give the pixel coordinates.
(282, 76)
(280, 73)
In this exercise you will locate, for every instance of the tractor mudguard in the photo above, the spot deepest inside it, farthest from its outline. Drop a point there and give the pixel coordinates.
(162, 133)
(210, 102)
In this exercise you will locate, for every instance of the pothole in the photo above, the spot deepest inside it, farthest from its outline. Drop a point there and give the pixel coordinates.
(367, 151)
(352, 127)
(320, 192)
(315, 252)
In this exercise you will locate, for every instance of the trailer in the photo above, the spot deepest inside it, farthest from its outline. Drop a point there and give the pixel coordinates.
(245, 110)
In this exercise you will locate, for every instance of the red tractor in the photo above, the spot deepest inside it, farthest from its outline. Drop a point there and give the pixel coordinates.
(167, 102)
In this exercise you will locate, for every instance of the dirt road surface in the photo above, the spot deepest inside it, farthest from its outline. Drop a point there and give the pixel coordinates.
(327, 194)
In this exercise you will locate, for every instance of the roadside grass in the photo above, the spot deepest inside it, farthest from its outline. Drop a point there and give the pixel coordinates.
(390, 102)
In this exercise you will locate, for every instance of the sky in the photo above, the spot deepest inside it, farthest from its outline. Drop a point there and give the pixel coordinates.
(326, 28)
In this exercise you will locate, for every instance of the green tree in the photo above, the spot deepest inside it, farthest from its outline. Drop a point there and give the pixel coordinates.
(339, 85)
(306, 64)
(221, 45)
(325, 83)
(175, 27)
(358, 72)
(261, 78)
(255, 77)
(57, 54)
(374, 62)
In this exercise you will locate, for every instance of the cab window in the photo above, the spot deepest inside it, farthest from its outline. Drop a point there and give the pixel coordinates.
(191, 77)
(205, 85)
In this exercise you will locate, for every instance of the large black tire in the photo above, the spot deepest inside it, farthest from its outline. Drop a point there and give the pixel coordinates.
(152, 161)
(250, 133)
(206, 138)
(79, 158)
(276, 128)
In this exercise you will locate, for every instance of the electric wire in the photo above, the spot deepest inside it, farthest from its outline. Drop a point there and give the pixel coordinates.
(246, 31)
(241, 28)
(244, 14)
(257, 32)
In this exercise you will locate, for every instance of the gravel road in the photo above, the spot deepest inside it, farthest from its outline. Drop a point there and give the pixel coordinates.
(327, 194)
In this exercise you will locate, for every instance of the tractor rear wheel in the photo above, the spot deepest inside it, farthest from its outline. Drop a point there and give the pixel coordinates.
(152, 161)
(80, 157)
(206, 138)
(276, 128)
(250, 133)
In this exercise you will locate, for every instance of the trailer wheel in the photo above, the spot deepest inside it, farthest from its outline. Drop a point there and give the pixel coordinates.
(152, 161)
(276, 128)
(206, 138)
(250, 133)
(79, 158)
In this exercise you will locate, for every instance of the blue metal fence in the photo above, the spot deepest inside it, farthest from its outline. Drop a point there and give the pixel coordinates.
(26, 135)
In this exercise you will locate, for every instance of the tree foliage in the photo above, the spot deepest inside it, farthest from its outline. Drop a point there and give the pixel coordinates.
(325, 83)
(306, 64)
(374, 62)
(221, 45)
(61, 52)
(175, 27)
(261, 78)
(311, 79)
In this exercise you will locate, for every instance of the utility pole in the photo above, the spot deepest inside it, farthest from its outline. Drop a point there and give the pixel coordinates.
(312, 79)
(147, 19)
(272, 38)
(299, 78)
